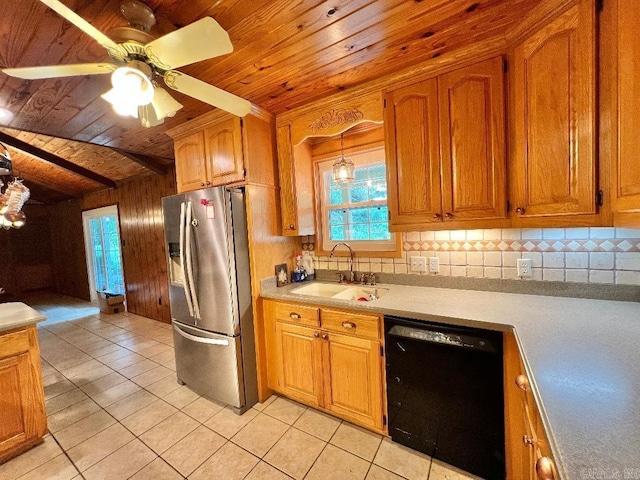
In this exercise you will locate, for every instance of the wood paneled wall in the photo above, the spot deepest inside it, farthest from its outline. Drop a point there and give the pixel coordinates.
(142, 235)
(25, 255)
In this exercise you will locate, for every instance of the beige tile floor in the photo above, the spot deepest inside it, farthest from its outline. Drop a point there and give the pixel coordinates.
(116, 411)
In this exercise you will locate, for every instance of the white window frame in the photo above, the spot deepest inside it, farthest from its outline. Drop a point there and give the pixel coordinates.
(366, 158)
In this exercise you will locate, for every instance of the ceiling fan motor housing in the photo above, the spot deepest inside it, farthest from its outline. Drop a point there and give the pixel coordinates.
(138, 14)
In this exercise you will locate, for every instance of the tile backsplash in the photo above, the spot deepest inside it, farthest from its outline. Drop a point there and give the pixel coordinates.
(585, 255)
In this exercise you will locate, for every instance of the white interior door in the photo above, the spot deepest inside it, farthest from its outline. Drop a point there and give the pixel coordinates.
(102, 244)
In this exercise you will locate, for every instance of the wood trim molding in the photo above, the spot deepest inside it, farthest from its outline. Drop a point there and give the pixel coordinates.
(335, 117)
(479, 51)
(540, 15)
(56, 160)
(199, 123)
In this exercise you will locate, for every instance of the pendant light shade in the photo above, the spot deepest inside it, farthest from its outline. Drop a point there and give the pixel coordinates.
(343, 169)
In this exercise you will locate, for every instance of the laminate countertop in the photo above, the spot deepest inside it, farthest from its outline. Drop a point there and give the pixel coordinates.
(18, 314)
(582, 357)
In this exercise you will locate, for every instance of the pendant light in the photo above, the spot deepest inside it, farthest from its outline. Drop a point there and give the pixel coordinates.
(5, 161)
(343, 169)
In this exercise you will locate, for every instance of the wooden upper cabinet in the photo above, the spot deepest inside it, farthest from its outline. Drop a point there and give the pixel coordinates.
(297, 131)
(223, 146)
(296, 197)
(445, 140)
(190, 162)
(472, 142)
(413, 154)
(623, 75)
(220, 149)
(554, 165)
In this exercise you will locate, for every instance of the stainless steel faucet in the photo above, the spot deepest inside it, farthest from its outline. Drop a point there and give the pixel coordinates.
(352, 254)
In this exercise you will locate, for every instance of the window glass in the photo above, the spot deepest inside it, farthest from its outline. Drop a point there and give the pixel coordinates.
(357, 212)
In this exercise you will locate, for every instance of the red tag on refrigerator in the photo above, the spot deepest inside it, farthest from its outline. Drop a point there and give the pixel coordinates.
(209, 208)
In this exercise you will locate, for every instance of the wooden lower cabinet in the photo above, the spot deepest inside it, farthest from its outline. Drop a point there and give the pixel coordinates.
(23, 420)
(341, 373)
(353, 378)
(299, 363)
(527, 448)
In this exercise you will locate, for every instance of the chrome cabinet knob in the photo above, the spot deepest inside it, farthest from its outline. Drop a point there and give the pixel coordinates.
(292, 227)
(325, 336)
(448, 215)
(348, 325)
(295, 316)
(527, 440)
(520, 211)
(316, 334)
(437, 216)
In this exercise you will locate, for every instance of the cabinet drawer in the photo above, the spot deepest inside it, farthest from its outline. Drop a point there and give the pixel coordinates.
(351, 323)
(298, 314)
(14, 343)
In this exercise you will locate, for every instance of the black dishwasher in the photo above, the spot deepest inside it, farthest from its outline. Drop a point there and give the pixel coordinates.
(445, 393)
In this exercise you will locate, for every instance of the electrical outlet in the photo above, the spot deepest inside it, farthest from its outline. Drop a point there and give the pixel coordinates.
(434, 264)
(418, 264)
(524, 267)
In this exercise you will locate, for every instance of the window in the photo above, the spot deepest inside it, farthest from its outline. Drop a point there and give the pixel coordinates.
(356, 212)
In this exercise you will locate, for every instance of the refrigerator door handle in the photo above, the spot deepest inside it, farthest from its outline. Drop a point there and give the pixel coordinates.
(208, 341)
(189, 260)
(185, 283)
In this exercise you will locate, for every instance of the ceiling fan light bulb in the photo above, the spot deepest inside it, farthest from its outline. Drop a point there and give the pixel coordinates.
(132, 84)
(121, 103)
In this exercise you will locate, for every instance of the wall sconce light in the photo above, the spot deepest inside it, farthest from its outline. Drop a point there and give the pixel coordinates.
(343, 169)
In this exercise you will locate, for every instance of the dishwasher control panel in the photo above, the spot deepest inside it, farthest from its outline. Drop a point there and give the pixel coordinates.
(432, 336)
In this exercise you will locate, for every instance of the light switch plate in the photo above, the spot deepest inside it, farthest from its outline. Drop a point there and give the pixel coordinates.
(434, 264)
(418, 264)
(524, 267)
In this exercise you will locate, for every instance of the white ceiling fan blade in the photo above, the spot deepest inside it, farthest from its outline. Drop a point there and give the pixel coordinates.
(198, 41)
(207, 93)
(53, 71)
(82, 24)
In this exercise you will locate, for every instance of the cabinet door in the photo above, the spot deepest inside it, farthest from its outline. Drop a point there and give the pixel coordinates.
(353, 377)
(519, 450)
(554, 102)
(287, 185)
(472, 142)
(626, 165)
(413, 159)
(300, 363)
(190, 162)
(22, 416)
(223, 146)
(14, 373)
(295, 168)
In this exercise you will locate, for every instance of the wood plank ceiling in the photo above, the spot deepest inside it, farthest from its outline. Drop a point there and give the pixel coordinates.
(286, 53)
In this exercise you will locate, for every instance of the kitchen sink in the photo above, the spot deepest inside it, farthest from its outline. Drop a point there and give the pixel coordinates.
(341, 291)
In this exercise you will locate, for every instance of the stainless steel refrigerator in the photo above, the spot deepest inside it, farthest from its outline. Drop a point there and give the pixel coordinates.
(210, 293)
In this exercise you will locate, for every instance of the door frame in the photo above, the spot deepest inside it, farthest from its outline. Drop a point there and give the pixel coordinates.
(86, 216)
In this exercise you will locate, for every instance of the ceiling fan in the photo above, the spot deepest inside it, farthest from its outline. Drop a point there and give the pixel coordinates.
(140, 62)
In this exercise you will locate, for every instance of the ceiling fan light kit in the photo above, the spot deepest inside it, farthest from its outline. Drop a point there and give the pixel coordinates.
(142, 61)
(132, 88)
